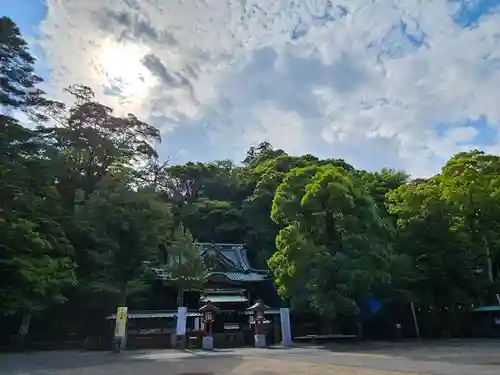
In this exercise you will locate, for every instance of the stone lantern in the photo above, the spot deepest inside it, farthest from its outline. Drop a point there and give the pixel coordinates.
(209, 310)
(257, 310)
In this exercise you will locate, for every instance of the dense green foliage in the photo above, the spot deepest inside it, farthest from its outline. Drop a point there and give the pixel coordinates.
(85, 204)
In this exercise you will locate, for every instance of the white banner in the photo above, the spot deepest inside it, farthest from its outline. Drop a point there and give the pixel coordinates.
(121, 322)
(181, 320)
(286, 332)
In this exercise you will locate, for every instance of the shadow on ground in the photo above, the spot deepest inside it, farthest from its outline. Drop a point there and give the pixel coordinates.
(450, 357)
(463, 351)
(136, 363)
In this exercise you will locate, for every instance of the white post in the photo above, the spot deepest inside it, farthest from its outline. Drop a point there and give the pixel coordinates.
(286, 332)
(181, 324)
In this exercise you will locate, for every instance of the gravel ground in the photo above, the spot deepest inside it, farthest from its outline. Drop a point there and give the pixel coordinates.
(436, 358)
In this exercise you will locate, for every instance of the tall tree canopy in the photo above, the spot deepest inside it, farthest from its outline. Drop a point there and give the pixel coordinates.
(35, 255)
(18, 86)
(330, 245)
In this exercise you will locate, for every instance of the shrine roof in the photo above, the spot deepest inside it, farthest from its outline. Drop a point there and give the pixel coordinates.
(223, 298)
(155, 314)
(225, 260)
(241, 276)
(232, 276)
(234, 256)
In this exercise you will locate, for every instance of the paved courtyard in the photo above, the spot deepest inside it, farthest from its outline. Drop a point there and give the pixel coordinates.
(478, 357)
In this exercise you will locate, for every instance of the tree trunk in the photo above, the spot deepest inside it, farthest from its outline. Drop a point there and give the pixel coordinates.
(489, 264)
(25, 324)
(180, 296)
(23, 329)
(122, 301)
(359, 331)
(455, 321)
(415, 321)
(488, 259)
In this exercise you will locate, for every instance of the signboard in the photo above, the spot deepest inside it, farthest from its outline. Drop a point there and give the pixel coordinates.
(286, 332)
(121, 322)
(181, 320)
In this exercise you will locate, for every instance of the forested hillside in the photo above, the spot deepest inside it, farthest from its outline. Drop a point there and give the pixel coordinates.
(85, 202)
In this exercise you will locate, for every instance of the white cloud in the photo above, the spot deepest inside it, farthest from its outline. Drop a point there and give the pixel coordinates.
(334, 78)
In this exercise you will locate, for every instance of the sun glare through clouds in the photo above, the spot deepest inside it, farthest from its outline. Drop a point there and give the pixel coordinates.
(121, 70)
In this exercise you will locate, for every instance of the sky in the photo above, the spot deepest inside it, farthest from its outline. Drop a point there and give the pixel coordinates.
(401, 84)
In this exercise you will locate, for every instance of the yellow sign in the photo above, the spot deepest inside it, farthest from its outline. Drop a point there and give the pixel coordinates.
(121, 315)
(121, 321)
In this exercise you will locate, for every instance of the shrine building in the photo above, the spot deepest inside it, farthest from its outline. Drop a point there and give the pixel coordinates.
(231, 284)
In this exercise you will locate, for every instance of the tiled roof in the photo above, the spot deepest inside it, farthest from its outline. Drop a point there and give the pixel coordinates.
(267, 312)
(154, 314)
(223, 298)
(233, 256)
(486, 308)
(241, 276)
(233, 261)
(161, 274)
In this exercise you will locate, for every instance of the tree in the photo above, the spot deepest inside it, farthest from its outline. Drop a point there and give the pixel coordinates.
(36, 267)
(35, 254)
(124, 231)
(267, 173)
(18, 79)
(433, 235)
(330, 246)
(153, 175)
(259, 154)
(185, 265)
(214, 221)
(92, 143)
(471, 183)
(206, 198)
(381, 183)
(19, 89)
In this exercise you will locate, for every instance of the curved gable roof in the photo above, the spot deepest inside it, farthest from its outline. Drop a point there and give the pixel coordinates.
(233, 256)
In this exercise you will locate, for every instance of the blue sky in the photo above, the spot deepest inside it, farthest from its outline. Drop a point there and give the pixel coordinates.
(469, 13)
(402, 84)
(28, 14)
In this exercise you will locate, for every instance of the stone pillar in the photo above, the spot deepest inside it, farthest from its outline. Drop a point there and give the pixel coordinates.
(260, 340)
(286, 333)
(207, 343)
(180, 332)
